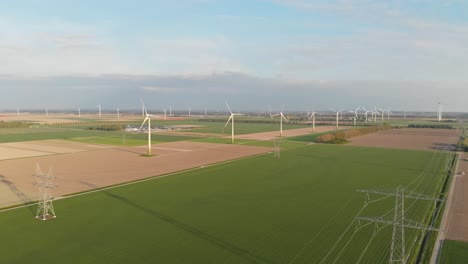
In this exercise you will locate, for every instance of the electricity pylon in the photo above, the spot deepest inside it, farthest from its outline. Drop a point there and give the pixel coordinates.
(399, 221)
(45, 182)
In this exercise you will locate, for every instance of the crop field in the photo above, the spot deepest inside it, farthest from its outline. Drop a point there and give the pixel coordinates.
(454, 252)
(301, 208)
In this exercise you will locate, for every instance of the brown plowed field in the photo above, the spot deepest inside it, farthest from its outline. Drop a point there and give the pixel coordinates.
(457, 225)
(89, 169)
(410, 138)
(286, 133)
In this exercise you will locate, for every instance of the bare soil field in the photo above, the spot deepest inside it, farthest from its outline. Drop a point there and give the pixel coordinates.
(409, 138)
(286, 133)
(457, 226)
(86, 170)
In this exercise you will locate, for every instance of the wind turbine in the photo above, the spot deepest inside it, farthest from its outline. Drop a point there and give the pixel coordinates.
(383, 113)
(280, 114)
(312, 115)
(147, 118)
(366, 113)
(79, 112)
(337, 115)
(231, 118)
(355, 117)
(47, 112)
(388, 113)
(118, 113)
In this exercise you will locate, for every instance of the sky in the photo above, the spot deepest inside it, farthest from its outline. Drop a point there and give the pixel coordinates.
(307, 55)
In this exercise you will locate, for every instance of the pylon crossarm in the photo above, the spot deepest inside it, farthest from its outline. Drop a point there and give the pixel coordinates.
(406, 224)
(407, 194)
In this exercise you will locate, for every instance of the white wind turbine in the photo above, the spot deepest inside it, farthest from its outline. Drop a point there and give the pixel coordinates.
(312, 115)
(231, 118)
(147, 118)
(366, 113)
(383, 113)
(79, 112)
(337, 115)
(280, 114)
(165, 116)
(375, 113)
(118, 113)
(355, 117)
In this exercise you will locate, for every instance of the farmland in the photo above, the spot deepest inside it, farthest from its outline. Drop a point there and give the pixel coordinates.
(454, 252)
(254, 210)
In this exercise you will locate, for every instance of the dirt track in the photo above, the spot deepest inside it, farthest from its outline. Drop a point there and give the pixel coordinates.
(85, 170)
(457, 226)
(409, 138)
(286, 133)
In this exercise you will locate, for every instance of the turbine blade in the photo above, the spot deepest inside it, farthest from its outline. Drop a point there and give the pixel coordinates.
(230, 117)
(142, 124)
(143, 104)
(228, 107)
(285, 119)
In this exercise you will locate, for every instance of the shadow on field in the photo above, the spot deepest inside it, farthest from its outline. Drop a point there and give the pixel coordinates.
(243, 253)
(21, 195)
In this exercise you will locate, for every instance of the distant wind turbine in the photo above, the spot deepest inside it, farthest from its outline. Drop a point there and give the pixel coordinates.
(147, 118)
(337, 115)
(355, 112)
(231, 118)
(280, 114)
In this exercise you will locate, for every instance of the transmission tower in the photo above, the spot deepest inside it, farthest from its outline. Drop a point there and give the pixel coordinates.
(45, 183)
(277, 148)
(398, 254)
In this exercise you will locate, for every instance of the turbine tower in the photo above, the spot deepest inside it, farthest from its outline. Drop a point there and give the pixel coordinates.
(147, 118)
(439, 113)
(312, 115)
(99, 106)
(118, 114)
(79, 112)
(280, 114)
(47, 112)
(337, 115)
(231, 118)
(355, 117)
(366, 114)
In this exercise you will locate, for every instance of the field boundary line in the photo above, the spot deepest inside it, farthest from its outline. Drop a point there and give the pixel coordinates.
(148, 179)
(445, 219)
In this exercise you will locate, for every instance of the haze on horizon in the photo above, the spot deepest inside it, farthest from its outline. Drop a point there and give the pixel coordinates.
(407, 55)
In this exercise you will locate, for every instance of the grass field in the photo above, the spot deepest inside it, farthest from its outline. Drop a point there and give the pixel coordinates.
(255, 210)
(454, 252)
(81, 134)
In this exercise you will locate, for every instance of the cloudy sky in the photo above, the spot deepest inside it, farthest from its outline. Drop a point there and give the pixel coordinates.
(407, 55)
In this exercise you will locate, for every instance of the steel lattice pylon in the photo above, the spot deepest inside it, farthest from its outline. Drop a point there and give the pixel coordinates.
(45, 182)
(397, 251)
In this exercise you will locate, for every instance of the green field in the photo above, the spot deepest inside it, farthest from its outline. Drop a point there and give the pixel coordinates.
(254, 210)
(454, 252)
(82, 134)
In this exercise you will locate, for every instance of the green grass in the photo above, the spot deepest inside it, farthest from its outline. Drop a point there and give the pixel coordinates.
(85, 136)
(454, 252)
(255, 210)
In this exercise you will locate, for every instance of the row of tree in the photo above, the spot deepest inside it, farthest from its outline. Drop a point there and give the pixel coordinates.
(342, 137)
